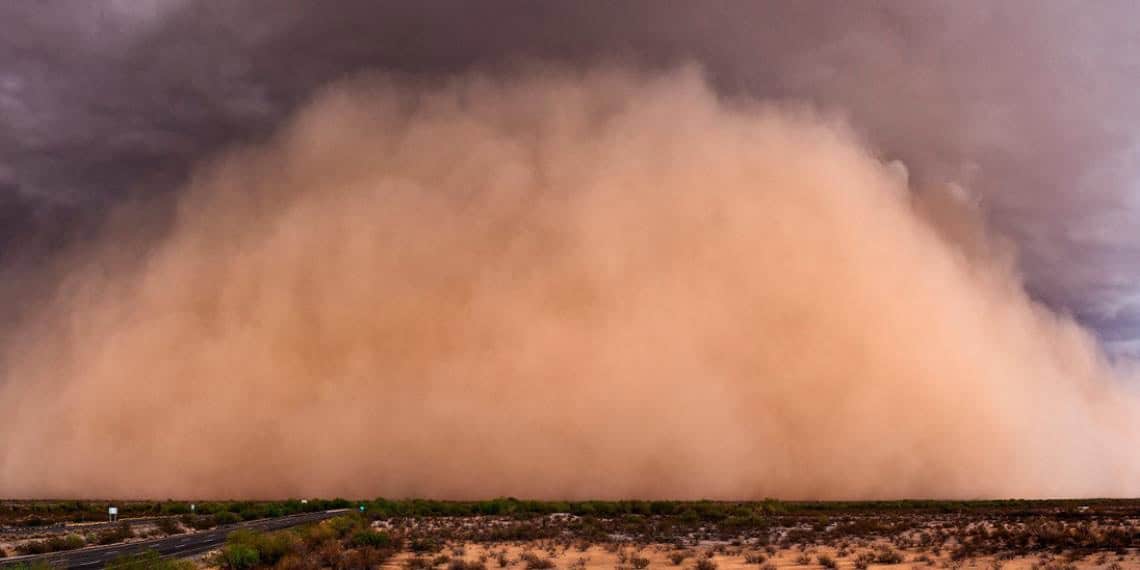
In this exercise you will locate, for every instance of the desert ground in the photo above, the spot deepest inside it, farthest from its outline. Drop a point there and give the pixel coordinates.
(629, 535)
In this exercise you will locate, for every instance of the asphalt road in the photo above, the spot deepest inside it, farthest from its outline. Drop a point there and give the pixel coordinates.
(173, 546)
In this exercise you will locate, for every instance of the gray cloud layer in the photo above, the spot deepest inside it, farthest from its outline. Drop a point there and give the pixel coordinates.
(1029, 104)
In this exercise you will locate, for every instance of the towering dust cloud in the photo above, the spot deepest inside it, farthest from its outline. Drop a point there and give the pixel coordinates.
(578, 284)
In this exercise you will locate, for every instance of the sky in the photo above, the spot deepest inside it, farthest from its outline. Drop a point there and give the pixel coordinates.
(1028, 104)
(840, 242)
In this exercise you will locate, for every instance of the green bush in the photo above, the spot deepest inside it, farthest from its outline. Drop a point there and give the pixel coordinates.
(318, 534)
(175, 509)
(70, 542)
(225, 517)
(371, 538)
(240, 557)
(346, 524)
(270, 547)
(274, 546)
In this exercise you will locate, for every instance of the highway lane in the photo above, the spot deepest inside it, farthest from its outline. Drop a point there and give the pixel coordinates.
(176, 545)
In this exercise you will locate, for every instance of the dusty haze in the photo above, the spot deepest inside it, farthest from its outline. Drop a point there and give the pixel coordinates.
(559, 284)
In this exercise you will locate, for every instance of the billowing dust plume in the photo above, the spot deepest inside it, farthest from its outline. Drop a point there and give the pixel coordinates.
(559, 284)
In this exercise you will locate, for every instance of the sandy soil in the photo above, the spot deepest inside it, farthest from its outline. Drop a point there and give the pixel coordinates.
(733, 558)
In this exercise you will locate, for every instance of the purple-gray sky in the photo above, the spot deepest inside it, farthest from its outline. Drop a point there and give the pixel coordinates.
(1031, 105)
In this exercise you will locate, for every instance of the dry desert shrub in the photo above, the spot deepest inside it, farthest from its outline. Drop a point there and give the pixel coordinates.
(293, 562)
(169, 525)
(330, 554)
(535, 562)
(888, 556)
(1054, 565)
(364, 558)
(418, 563)
(827, 561)
(863, 560)
(755, 558)
(705, 563)
(460, 564)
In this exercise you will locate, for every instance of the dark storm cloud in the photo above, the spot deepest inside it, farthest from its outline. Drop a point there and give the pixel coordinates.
(1029, 105)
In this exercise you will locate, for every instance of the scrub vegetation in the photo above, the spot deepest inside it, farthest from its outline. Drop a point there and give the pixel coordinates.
(634, 535)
